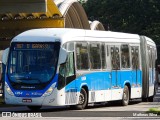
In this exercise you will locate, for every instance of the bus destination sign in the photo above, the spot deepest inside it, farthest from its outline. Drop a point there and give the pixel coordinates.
(32, 46)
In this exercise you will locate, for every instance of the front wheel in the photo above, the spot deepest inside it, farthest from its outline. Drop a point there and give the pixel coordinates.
(83, 100)
(125, 98)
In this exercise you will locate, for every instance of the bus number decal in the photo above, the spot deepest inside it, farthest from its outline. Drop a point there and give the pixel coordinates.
(83, 78)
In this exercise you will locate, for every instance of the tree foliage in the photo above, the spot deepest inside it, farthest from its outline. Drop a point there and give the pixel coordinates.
(132, 16)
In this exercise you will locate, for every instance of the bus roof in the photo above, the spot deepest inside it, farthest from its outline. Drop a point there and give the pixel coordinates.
(150, 41)
(66, 34)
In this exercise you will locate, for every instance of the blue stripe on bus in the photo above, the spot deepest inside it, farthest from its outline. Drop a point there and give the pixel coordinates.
(106, 80)
(31, 93)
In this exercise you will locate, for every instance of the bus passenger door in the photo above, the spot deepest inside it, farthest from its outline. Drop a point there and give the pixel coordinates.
(136, 73)
(115, 72)
(108, 75)
(66, 79)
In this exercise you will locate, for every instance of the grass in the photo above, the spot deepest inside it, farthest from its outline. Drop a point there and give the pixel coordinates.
(154, 110)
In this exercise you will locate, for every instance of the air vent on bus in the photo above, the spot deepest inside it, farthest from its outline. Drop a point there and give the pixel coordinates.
(93, 96)
(71, 97)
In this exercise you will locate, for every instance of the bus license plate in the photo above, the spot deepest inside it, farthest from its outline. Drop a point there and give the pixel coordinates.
(26, 100)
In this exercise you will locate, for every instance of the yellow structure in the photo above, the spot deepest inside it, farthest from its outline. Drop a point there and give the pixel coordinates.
(20, 15)
(17, 16)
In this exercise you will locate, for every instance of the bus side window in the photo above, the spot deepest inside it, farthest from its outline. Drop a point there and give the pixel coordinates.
(70, 65)
(95, 56)
(82, 60)
(70, 46)
(125, 59)
(115, 58)
(103, 51)
(135, 57)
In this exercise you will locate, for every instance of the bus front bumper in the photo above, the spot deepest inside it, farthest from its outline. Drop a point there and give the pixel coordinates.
(53, 99)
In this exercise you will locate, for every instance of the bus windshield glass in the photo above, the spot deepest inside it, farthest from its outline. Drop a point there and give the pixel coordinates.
(33, 63)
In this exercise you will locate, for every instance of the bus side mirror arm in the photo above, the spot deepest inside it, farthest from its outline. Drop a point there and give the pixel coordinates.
(62, 56)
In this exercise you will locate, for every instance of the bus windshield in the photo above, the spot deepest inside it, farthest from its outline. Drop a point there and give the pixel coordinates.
(32, 63)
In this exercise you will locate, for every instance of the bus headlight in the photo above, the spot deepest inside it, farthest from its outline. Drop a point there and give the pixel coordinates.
(50, 90)
(8, 89)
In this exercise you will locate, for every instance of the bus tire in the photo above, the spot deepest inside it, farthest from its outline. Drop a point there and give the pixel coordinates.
(144, 99)
(83, 100)
(125, 98)
(150, 99)
(34, 108)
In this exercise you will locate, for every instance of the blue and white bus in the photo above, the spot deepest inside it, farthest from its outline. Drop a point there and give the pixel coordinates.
(60, 66)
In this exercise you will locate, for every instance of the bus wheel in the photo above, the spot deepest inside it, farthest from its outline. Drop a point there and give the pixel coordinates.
(34, 108)
(144, 100)
(150, 99)
(125, 98)
(82, 100)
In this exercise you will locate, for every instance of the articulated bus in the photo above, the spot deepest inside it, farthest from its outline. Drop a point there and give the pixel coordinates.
(76, 67)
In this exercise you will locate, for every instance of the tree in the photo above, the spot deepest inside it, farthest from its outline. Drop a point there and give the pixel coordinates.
(82, 1)
(132, 16)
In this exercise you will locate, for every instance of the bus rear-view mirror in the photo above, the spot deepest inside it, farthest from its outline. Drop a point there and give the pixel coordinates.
(62, 56)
